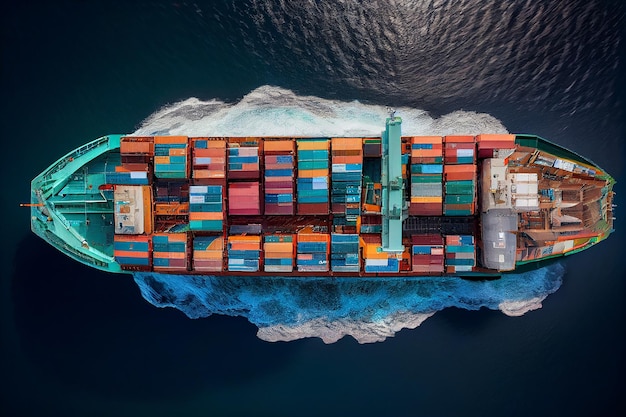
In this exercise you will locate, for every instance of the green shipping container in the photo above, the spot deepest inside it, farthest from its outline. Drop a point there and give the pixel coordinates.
(458, 198)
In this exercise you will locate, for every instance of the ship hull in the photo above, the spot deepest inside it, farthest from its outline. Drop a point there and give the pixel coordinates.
(310, 207)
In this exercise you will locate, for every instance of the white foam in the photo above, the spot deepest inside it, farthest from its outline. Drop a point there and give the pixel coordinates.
(332, 331)
(274, 111)
(519, 308)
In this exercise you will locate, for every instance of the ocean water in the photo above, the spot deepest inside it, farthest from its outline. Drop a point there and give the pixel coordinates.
(77, 342)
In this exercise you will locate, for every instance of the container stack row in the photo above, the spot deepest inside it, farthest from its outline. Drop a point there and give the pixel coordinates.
(133, 250)
(278, 253)
(244, 253)
(426, 176)
(377, 261)
(243, 159)
(313, 176)
(346, 174)
(460, 176)
(136, 154)
(312, 251)
(488, 144)
(243, 198)
(169, 251)
(170, 157)
(344, 256)
(208, 160)
(208, 253)
(206, 212)
(427, 253)
(279, 177)
(372, 147)
(460, 253)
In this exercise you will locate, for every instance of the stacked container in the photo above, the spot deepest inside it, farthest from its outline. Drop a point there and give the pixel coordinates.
(488, 143)
(243, 159)
(377, 261)
(243, 198)
(170, 156)
(169, 251)
(133, 250)
(313, 176)
(344, 256)
(460, 253)
(347, 172)
(125, 176)
(426, 176)
(206, 212)
(312, 251)
(278, 250)
(136, 152)
(460, 176)
(279, 180)
(209, 160)
(208, 253)
(243, 163)
(372, 147)
(244, 253)
(459, 150)
(427, 254)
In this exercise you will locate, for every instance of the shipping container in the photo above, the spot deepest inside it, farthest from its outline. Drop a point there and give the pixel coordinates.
(243, 198)
(244, 253)
(169, 251)
(133, 250)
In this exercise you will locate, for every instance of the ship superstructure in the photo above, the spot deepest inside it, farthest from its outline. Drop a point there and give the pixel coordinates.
(464, 205)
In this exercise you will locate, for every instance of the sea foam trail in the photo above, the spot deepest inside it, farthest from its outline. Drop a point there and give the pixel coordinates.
(369, 310)
(274, 111)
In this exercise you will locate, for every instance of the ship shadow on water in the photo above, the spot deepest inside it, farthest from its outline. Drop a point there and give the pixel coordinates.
(91, 331)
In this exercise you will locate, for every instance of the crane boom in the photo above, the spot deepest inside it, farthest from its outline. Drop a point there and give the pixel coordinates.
(392, 192)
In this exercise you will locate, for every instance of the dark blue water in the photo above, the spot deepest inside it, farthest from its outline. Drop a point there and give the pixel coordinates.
(76, 342)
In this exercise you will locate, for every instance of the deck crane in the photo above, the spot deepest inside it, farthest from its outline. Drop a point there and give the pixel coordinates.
(392, 185)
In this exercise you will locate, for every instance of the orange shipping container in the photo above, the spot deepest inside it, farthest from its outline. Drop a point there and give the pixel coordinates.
(130, 254)
(371, 251)
(456, 139)
(195, 215)
(205, 254)
(312, 145)
(426, 139)
(278, 247)
(312, 173)
(169, 255)
(471, 168)
(144, 147)
(346, 143)
(170, 139)
(420, 153)
(347, 159)
(278, 146)
(216, 144)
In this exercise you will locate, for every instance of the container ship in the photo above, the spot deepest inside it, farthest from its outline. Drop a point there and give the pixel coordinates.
(389, 206)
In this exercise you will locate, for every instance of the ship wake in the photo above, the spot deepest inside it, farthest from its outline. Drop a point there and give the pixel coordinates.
(275, 111)
(369, 310)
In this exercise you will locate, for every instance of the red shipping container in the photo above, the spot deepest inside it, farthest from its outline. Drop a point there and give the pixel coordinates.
(313, 208)
(275, 209)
